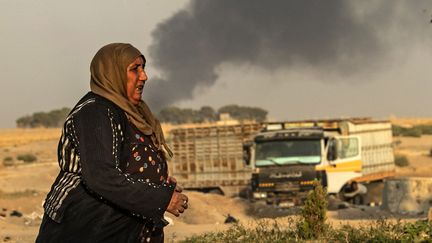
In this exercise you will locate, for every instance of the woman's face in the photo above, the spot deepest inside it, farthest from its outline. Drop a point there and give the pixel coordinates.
(136, 77)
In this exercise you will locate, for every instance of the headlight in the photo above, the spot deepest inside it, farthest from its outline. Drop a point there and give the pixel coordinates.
(260, 194)
(269, 184)
(307, 183)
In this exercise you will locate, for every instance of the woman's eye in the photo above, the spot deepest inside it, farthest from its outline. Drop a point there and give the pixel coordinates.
(135, 69)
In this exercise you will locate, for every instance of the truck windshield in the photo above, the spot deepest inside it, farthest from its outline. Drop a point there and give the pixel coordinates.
(288, 152)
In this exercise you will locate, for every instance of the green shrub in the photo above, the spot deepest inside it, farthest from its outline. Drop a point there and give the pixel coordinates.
(18, 194)
(401, 160)
(415, 131)
(425, 129)
(397, 130)
(313, 216)
(8, 161)
(264, 232)
(28, 158)
(420, 231)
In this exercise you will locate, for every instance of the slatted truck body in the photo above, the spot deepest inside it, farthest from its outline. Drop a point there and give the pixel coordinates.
(210, 158)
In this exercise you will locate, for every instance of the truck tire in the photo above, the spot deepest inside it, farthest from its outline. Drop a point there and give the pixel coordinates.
(358, 199)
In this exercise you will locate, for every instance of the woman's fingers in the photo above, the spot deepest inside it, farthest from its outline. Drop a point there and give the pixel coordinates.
(178, 203)
(183, 203)
(171, 179)
(179, 189)
(185, 198)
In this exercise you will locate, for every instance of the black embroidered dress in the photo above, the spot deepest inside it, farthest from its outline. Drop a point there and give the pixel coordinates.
(112, 185)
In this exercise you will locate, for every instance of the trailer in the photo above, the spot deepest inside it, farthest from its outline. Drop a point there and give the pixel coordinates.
(211, 159)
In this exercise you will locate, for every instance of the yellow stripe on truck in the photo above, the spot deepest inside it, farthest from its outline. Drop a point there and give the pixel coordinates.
(354, 166)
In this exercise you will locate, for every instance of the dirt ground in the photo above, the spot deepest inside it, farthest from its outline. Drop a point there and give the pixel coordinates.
(23, 187)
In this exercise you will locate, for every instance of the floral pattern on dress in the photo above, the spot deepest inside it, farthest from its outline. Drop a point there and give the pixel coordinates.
(146, 161)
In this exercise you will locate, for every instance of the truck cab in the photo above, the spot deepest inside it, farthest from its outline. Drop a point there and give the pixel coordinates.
(285, 164)
(287, 158)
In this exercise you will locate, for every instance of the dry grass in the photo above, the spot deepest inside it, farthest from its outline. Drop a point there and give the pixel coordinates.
(17, 136)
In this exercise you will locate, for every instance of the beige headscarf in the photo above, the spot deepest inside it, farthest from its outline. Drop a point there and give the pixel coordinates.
(109, 78)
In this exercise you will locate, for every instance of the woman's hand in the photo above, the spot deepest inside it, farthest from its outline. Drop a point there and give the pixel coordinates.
(178, 203)
(173, 180)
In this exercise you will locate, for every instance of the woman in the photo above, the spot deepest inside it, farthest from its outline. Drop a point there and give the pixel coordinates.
(113, 184)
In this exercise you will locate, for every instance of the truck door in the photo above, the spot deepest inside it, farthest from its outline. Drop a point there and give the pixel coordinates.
(344, 161)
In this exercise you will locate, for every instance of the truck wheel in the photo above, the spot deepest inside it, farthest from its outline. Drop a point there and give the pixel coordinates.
(246, 193)
(358, 200)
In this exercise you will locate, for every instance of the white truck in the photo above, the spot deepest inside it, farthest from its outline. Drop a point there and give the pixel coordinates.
(344, 154)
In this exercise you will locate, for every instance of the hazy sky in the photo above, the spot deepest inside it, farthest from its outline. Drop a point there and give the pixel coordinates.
(296, 59)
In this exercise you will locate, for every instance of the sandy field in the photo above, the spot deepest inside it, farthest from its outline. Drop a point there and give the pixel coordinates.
(23, 187)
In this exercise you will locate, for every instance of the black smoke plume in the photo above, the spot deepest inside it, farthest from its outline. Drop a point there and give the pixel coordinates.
(273, 34)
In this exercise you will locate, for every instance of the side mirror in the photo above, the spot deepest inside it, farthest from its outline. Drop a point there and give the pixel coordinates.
(332, 150)
(247, 153)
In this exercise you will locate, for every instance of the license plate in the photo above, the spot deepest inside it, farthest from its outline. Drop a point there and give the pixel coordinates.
(286, 204)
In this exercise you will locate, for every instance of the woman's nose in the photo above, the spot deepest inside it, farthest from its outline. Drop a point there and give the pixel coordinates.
(143, 75)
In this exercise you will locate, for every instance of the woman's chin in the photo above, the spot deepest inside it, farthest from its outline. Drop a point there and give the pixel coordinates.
(134, 101)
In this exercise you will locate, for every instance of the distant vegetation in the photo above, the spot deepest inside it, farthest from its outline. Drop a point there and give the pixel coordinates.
(54, 118)
(17, 194)
(27, 157)
(176, 115)
(415, 131)
(401, 160)
(244, 112)
(8, 161)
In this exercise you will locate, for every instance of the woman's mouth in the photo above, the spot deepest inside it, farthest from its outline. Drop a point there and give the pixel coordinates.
(139, 88)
